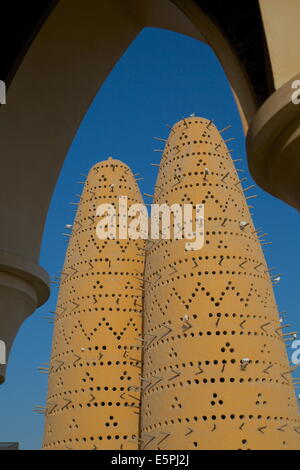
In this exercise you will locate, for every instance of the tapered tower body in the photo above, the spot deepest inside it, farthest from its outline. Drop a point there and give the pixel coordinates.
(215, 369)
(94, 394)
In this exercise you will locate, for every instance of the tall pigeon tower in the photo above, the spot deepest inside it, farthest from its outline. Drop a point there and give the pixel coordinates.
(215, 370)
(94, 377)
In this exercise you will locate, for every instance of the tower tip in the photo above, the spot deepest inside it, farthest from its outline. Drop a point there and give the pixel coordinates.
(109, 162)
(193, 119)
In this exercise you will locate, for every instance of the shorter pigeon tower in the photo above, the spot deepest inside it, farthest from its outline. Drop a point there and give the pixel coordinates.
(94, 378)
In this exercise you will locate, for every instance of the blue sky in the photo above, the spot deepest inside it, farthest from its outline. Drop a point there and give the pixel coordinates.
(161, 78)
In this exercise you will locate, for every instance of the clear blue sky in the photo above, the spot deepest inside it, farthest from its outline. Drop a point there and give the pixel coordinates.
(162, 77)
